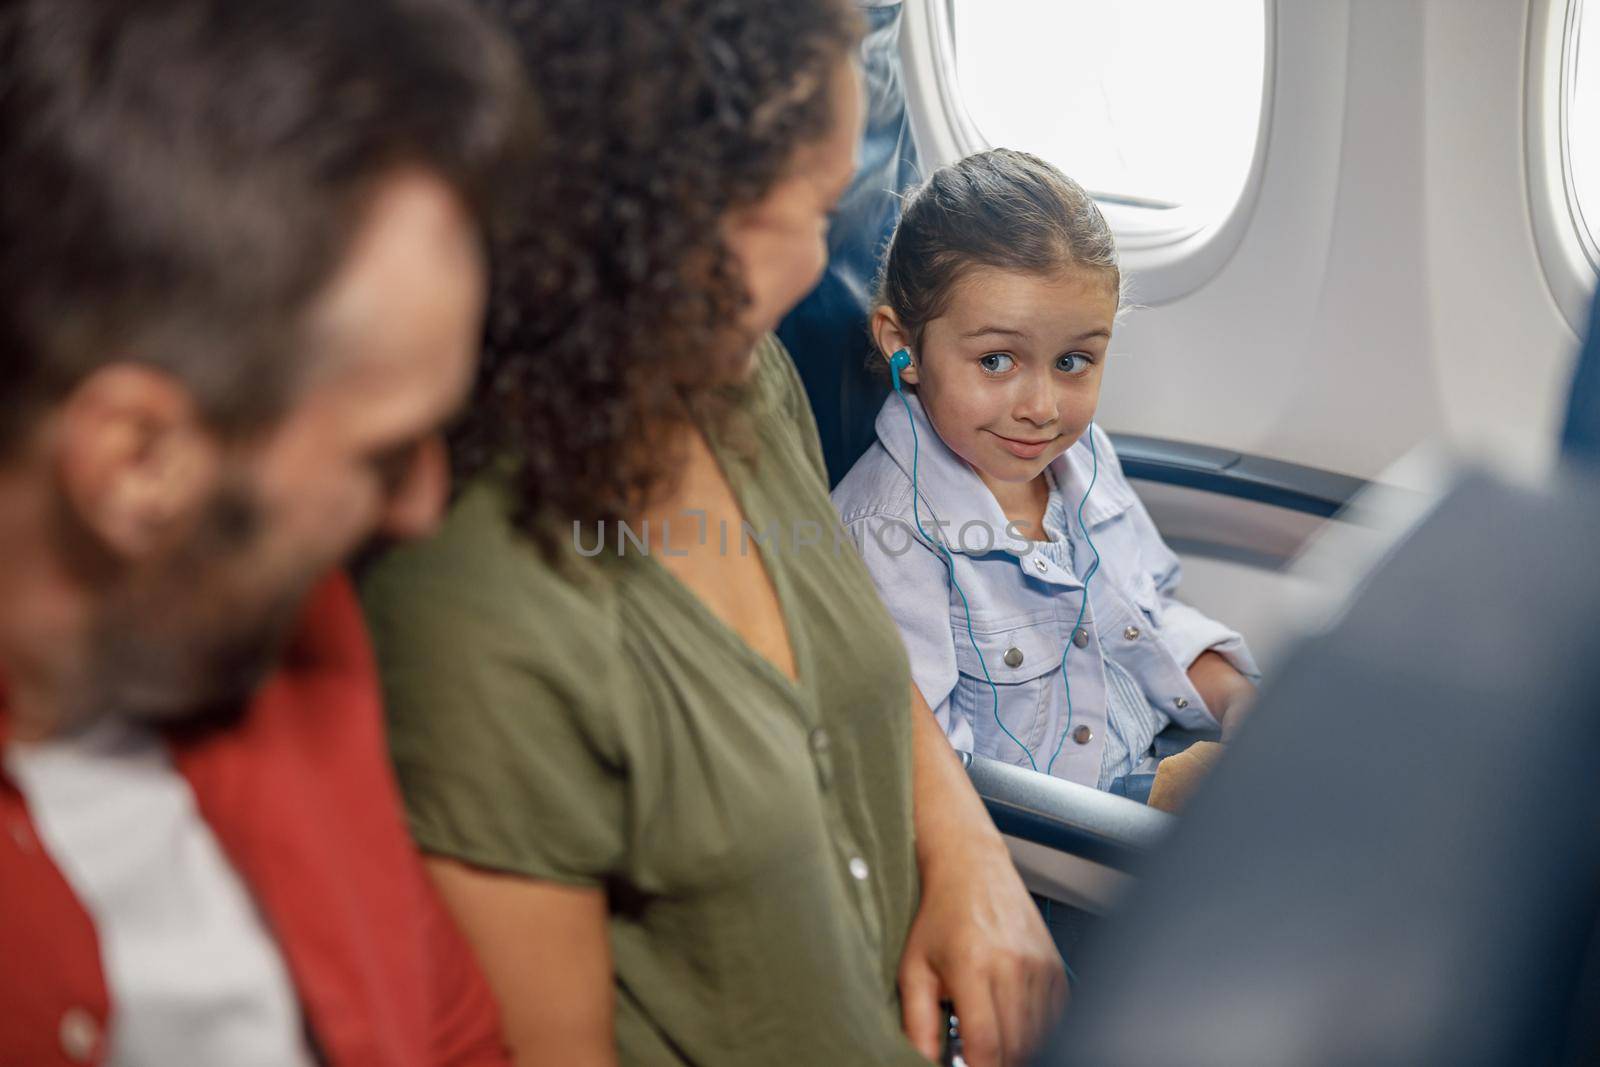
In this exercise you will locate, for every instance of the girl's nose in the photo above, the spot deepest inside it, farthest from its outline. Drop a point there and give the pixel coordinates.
(1037, 404)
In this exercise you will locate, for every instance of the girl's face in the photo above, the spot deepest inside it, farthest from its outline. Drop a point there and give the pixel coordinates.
(1010, 373)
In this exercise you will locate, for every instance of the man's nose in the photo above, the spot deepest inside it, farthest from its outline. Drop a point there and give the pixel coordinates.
(416, 503)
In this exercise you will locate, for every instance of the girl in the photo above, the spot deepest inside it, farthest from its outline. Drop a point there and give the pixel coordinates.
(1033, 592)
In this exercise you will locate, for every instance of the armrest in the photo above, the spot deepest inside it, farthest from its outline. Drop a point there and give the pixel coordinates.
(1238, 474)
(1065, 816)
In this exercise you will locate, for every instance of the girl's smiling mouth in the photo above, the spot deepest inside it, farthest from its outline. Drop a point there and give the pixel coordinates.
(1023, 449)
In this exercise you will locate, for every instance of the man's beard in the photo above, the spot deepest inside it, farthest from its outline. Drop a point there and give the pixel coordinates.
(187, 645)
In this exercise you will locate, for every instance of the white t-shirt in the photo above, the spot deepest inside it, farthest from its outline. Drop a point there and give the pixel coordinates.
(193, 975)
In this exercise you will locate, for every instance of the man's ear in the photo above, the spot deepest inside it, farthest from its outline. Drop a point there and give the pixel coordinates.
(133, 457)
(891, 338)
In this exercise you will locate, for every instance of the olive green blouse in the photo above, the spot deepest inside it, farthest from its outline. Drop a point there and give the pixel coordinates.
(593, 723)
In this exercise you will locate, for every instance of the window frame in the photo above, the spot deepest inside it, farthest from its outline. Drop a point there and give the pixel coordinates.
(1167, 252)
(1568, 249)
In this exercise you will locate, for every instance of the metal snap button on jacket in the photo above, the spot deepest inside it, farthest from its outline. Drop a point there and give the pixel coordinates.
(1013, 657)
(1082, 734)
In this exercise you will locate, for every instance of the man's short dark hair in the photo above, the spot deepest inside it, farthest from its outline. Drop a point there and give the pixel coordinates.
(178, 178)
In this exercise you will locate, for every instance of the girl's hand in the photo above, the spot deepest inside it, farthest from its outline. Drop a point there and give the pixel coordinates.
(1180, 775)
(1226, 692)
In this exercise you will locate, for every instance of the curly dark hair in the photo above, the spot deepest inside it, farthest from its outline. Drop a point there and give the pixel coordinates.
(617, 300)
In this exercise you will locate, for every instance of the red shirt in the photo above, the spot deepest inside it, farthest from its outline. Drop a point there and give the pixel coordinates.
(301, 798)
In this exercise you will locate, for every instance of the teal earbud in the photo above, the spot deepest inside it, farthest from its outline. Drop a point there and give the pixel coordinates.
(897, 363)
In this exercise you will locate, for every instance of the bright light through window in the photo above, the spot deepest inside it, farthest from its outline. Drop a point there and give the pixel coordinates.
(1155, 102)
(1583, 121)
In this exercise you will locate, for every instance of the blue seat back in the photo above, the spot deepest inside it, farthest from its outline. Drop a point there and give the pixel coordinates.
(1397, 862)
(827, 332)
(1580, 437)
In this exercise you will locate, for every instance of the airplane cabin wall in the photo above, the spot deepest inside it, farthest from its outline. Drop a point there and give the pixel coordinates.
(1387, 290)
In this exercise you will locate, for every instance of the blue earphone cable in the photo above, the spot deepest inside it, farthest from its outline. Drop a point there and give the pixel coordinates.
(898, 362)
(950, 564)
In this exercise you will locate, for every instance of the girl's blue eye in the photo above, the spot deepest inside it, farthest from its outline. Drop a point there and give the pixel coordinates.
(1075, 363)
(994, 365)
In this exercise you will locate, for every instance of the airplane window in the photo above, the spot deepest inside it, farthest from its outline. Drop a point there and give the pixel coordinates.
(1582, 93)
(1148, 103)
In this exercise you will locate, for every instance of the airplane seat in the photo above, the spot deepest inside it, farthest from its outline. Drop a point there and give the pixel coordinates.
(1580, 436)
(827, 332)
(1397, 861)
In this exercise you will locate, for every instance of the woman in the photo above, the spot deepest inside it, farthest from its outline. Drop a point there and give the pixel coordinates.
(656, 733)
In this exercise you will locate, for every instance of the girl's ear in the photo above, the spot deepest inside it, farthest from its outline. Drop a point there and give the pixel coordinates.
(891, 337)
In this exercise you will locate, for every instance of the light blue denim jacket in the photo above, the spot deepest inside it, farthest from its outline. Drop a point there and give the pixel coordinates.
(1023, 604)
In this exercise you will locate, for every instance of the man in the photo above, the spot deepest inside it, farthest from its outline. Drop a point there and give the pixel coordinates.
(241, 280)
